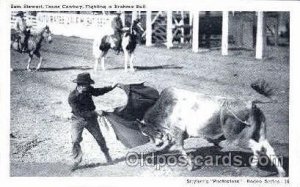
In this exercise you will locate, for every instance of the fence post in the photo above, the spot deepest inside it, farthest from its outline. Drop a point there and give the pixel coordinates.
(277, 29)
(169, 30)
(260, 35)
(225, 22)
(195, 31)
(123, 17)
(148, 29)
(182, 29)
(191, 23)
(134, 16)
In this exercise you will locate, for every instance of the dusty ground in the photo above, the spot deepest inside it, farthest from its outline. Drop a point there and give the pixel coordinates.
(39, 110)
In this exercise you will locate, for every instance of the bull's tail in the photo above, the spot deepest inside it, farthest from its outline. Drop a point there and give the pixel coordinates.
(263, 88)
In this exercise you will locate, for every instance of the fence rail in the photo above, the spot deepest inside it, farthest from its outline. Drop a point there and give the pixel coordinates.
(79, 25)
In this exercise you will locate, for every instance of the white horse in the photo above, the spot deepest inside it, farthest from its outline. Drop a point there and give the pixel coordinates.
(102, 45)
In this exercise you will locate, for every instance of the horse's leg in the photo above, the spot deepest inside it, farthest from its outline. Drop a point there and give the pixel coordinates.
(131, 61)
(29, 61)
(96, 64)
(125, 59)
(40, 60)
(103, 59)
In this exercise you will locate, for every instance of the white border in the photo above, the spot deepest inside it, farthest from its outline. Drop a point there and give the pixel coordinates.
(212, 5)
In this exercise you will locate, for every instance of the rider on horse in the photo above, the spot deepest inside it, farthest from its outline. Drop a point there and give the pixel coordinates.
(22, 31)
(117, 26)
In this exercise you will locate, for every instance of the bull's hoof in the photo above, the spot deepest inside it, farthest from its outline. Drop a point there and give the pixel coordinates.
(253, 166)
(282, 174)
(159, 144)
(190, 167)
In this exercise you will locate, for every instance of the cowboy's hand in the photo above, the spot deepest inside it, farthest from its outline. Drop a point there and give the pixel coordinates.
(114, 84)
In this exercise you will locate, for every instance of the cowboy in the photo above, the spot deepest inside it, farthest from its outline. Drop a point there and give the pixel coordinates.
(84, 116)
(22, 30)
(117, 26)
(136, 25)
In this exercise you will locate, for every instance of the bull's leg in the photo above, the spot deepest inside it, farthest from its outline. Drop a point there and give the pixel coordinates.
(256, 148)
(190, 165)
(131, 61)
(28, 62)
(272, 156)
(180, 144)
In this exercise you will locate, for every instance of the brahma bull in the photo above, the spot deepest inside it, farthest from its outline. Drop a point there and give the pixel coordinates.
(180, 114)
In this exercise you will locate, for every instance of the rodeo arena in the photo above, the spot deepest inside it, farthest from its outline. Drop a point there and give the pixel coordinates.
(168, 93)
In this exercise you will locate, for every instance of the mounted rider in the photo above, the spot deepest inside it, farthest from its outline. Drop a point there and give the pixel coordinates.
(117, 26)
(22, 30)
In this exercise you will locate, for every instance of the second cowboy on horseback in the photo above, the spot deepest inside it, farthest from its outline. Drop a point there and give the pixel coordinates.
(22, 30)
(117, 26)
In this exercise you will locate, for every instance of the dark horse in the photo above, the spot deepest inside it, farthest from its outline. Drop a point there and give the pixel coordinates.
(129, 42)
(34, 45)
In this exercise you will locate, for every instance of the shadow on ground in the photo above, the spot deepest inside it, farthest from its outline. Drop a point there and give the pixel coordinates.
(206, 157)
(171, 66)
(58, 69)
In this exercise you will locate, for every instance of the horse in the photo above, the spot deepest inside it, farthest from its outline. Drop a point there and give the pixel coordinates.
(226, 122)
(101, 45)
(34, 45)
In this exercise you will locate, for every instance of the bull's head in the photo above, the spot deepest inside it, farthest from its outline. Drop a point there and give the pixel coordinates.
(154, 134)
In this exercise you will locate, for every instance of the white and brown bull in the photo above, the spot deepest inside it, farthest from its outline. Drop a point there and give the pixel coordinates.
(180, 114)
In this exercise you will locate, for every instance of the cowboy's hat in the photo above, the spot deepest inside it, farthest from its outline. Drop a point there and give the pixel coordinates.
(20, 13)
(84, 78)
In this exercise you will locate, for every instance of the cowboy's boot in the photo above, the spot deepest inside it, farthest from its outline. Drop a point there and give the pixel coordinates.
(108, 158)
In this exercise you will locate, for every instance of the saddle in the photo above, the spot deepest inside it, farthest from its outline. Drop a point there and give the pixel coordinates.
(22, 36)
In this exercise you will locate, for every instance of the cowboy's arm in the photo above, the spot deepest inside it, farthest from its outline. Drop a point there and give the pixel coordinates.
(101, 91)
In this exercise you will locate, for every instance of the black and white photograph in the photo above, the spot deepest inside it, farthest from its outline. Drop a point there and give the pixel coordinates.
(130, 91)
